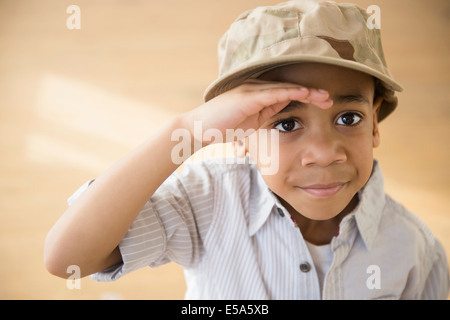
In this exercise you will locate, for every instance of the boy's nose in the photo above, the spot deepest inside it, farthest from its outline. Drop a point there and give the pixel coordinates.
(322, 149)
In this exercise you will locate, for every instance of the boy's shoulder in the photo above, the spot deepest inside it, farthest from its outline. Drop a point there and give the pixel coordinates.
(396, 214)
(416, 251)
(408, 233)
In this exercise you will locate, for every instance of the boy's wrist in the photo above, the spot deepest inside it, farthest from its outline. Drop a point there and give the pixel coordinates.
(191, 128)
(182, 138)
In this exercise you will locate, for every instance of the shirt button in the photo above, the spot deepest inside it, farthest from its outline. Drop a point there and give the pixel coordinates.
(280, 211)
(305, 267)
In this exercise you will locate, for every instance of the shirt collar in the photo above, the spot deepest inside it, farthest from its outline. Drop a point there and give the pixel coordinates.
(262, 202)
(367, 214)
(370, 208)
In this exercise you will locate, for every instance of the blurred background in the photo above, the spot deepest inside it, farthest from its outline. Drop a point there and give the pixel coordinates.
(72, 102)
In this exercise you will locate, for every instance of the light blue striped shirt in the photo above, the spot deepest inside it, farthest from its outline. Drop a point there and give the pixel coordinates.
(235, 240)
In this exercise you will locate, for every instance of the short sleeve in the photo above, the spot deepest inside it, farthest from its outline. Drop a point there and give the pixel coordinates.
(170, 226)
(79, 192)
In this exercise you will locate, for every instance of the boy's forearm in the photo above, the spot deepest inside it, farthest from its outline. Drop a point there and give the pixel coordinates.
(90, 230)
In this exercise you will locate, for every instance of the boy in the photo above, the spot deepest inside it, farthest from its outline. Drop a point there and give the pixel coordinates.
(318, 227)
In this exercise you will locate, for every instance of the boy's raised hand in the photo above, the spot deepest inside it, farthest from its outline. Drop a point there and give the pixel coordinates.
(251, 104)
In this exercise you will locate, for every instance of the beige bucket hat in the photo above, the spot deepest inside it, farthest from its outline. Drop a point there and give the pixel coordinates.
(302, 31)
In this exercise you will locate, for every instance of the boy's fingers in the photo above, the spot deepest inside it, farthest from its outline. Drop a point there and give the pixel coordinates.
(279, 93)
(319, 98)
(284, 95)
(318, 95)
(264, 84)
(273, 98)
(323, 104)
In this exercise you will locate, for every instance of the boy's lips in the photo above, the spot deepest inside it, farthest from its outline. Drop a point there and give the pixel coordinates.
(324, 190)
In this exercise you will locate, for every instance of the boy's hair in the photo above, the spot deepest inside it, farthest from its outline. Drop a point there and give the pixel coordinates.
(303, 31)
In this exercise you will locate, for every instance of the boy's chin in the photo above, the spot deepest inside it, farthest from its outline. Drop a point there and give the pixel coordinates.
(325, 210)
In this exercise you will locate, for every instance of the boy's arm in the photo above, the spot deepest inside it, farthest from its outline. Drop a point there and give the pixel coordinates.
(89, 232)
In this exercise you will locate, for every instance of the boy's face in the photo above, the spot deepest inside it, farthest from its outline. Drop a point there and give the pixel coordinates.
(325, 155)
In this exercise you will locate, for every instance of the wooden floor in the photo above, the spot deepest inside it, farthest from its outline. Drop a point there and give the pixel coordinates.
(72, 102)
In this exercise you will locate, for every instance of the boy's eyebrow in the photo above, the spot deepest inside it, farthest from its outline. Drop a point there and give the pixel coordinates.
(338, 99)
(292, 105)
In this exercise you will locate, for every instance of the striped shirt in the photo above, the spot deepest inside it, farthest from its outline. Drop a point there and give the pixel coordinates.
(235, 240)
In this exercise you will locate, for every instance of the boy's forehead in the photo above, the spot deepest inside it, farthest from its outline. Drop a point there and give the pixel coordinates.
(312, 71)
(339, 81)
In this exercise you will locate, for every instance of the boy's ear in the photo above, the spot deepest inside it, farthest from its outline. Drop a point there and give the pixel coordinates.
(240, 147)
(376, 132)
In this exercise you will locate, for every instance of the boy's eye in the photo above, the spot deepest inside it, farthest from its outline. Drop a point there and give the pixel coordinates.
(288, 125)
(349, 119)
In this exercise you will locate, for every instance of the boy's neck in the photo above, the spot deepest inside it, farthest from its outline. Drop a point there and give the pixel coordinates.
(320, 232)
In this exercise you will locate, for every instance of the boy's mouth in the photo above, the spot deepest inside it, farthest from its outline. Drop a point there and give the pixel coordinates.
(324, 190)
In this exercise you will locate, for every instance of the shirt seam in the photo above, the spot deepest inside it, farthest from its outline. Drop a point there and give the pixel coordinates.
(215, 179)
